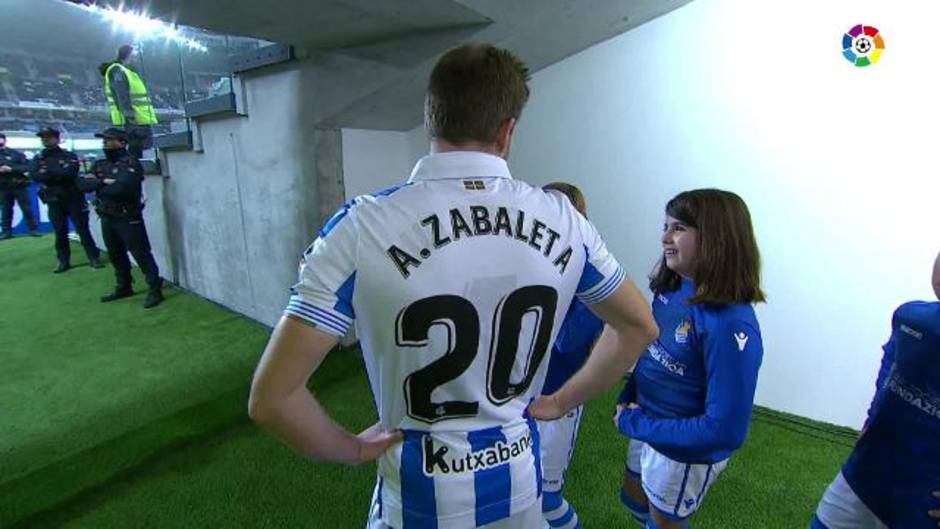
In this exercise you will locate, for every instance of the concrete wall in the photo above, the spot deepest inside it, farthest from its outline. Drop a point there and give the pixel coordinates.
(237, 215)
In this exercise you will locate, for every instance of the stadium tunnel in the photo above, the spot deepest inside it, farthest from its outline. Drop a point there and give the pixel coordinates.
(267, 158)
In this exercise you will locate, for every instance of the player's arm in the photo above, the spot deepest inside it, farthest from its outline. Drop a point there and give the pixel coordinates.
(318, 314)
(604, 287)
(887, 362)
(630, 328)
(281, 403)
(629, 392)
(731, 369)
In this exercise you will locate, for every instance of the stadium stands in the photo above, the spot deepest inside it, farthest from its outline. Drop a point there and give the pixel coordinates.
(38, 91)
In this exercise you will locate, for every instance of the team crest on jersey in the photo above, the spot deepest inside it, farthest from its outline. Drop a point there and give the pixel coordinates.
(682, 331)
(474, 185)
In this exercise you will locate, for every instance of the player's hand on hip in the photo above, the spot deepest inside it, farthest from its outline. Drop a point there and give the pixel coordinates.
(546, 408)
(375, 440)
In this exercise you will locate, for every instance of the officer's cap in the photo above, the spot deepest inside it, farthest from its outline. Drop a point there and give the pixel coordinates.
(112, 132)
(48, 131)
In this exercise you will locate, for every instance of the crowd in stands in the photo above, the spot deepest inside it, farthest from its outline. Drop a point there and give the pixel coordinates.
(38, 92)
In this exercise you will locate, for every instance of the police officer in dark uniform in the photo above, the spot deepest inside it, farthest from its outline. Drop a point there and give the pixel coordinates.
(14, 187)
(57, 170)
(117, 181)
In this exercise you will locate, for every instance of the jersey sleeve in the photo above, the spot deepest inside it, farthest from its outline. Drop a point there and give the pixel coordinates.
(887, 363)
(733, 352)
(602, 273)
(323, 294)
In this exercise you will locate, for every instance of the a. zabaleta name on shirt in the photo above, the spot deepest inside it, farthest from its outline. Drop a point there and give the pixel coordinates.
(484, 221)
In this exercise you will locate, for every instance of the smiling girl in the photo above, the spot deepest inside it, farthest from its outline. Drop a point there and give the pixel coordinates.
(688, 404)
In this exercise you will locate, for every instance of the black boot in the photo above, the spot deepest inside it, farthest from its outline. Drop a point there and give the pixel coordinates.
(63, 267)
(119, 292)
(154, 297)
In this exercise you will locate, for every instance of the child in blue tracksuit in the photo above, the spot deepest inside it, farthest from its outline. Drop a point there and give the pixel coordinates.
(572, 346)
(891, 479)
(688, 405)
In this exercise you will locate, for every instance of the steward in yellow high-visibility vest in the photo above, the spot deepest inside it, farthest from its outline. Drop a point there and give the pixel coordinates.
(137, 104)
(129, 103)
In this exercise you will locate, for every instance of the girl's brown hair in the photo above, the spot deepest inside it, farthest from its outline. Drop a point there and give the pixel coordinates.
(728, 269)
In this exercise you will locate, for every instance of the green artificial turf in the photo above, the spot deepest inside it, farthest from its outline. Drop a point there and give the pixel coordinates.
(77, 373)
(113, 416)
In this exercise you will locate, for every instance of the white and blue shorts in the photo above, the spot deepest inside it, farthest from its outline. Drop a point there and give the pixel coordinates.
(557, 442)
(841, 508)
(529, 517)
(675, 489)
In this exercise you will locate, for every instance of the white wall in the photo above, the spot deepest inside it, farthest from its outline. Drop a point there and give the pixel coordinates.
(838, 164)
(376, 159)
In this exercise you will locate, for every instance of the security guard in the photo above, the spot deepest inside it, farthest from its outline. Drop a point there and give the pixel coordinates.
(116, 181)
(57, 170)
(128, 101)
(14, 187)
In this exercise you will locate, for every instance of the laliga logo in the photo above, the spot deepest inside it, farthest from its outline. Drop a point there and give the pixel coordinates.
(862, 45)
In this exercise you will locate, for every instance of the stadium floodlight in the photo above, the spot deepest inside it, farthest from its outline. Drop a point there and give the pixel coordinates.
(144, 27)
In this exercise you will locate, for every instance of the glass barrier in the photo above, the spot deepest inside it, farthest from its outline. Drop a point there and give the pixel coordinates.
(58, 80)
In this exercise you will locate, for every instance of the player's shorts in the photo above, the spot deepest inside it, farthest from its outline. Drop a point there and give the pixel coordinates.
(841, 508)
(530, 518)
(557, 445)
(675, 489)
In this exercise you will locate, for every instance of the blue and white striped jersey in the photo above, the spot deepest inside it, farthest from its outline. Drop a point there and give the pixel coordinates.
(457, 282)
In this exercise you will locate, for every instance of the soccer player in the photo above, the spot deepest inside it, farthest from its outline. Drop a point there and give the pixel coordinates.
(688, 405)
(457, 282)
(892, 477)
(578, 333)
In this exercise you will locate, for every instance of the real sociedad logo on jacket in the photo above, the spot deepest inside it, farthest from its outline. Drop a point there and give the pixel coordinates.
(682, 331)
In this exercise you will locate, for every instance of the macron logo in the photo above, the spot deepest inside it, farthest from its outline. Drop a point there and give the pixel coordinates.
(916, 334)
(742, 339)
